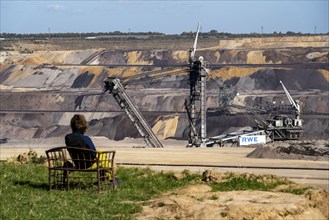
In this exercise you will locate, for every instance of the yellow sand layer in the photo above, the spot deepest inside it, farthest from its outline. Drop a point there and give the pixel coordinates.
(34, 60)
(96, 70)
(3, 66)
(180, 55)
(166, 127)
(130, 71)
(230, 72)
(134, 57)
(274, 42)
(217, 55)
(325, 74)
(256, 57)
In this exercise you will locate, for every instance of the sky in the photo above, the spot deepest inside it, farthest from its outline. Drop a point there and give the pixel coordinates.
(169, 17)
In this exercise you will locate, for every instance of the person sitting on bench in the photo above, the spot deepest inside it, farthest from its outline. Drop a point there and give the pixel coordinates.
(77, 139)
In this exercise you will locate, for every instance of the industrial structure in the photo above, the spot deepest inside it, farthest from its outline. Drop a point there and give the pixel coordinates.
(279, 127)
(283, 127)
(121, 97)
(198, 79)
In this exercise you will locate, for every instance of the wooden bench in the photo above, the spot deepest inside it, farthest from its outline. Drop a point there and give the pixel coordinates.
(80, 167)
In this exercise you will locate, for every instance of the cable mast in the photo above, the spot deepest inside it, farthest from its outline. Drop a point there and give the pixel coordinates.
(197, 79)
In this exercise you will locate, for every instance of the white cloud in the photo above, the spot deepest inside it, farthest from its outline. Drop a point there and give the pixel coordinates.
(56, 7)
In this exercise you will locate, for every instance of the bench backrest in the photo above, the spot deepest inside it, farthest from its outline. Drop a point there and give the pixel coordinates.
(78, 158)
(82, 158)
(56, 157)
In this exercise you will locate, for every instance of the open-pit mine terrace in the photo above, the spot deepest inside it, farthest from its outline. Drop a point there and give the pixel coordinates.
(44, 82)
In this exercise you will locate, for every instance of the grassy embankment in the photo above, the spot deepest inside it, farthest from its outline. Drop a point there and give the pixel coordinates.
(24, 192)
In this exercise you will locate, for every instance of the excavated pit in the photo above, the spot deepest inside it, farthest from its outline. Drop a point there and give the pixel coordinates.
(38, 97)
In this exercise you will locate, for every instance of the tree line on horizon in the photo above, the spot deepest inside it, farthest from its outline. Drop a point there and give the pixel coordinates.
(136, 35)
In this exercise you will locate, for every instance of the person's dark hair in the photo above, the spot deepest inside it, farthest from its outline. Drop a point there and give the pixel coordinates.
(79, 124)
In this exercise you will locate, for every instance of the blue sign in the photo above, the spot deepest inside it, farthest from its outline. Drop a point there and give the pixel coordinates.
(254, 139)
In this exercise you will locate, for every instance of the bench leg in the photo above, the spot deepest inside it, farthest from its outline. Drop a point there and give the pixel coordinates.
(66, 179)
(49, 178)
(103, 178)
(99, 180)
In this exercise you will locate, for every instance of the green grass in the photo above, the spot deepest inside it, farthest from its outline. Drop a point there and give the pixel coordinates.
(297, 191)
(24, 194)
(241, 183)
(233, 181)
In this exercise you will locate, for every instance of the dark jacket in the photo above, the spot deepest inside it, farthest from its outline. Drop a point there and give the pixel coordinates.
(79, 140)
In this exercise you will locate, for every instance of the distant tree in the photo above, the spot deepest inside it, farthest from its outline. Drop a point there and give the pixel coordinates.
(290, 33)
(213, 32)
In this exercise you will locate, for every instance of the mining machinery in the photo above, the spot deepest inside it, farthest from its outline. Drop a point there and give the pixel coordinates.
(279, 127)
(283, 127)
(197, 79)
(197, 98)
(115, 87)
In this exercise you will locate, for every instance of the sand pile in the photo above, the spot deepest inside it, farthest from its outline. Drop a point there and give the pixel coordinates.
(199, 201)
(308, 150)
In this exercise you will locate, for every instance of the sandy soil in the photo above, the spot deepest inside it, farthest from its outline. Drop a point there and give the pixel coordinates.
(199, 202)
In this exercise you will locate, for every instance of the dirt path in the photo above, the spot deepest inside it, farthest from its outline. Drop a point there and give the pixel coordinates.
(176, 157)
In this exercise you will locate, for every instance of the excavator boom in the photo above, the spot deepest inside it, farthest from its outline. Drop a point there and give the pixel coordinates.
(291, 100)
(124, 101)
